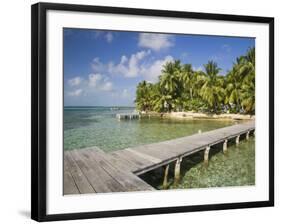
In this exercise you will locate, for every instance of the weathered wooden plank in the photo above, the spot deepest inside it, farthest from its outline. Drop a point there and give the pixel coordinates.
(69, 186)
(139, 161)
(161, 151)
(81, 181)
(119, 161)
(152, 159)
(127, 179)
(92, 158)
(98, 178)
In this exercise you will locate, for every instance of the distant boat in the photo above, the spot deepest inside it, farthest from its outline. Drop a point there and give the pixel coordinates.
(114, 108)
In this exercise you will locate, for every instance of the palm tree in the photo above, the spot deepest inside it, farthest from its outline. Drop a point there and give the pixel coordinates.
(169, 82)
(247, 63)
(181, 87)
(212, 90)
(241, 83)
(188, 79)
(144, 96)
(248, 94)
(233, 86)
(248, 86)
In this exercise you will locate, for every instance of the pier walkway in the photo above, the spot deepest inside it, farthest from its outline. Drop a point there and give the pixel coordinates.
(129, 116)
(91, 170)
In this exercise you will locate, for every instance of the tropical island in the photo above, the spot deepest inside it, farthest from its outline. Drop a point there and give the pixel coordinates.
(178, 129)
(182, 91)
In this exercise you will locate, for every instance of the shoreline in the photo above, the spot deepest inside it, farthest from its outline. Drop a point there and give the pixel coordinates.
(199, 116)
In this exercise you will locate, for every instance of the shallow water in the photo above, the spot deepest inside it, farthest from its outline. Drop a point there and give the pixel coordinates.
(235, 168)
(98, 126)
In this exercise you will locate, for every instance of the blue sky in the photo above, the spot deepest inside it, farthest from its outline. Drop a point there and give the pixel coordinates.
(103, 68)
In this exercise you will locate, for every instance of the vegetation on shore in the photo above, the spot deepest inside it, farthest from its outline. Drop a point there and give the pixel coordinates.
(181, 88)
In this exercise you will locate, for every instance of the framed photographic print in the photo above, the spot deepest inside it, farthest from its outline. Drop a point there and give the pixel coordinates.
(139, 111)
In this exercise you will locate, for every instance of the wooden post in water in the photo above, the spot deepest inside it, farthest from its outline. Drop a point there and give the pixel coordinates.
(166, 172)
(206, 155)
(237, 140)
(224, 148)
(247, 135)
(177, 170)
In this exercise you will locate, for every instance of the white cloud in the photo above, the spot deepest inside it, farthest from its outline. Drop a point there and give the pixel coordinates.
(109, 37)
(107, 86)
(97, 66)
(152, 71)
(100, 82)
(128, 67)
(155, 42)
(197, 69)
(95, 83)
(132, 69)
(138, 64)
(94, 79)
(124, 59)
(75, 81)
(76, 92)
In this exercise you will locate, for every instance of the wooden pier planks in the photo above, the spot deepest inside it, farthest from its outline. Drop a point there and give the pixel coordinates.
(91, 170)
(164, 152)
(79, 178)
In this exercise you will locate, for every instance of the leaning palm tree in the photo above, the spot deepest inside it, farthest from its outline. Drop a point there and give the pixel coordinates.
(246, 73)
(248, 86)
(248, 95)
(233, 87)
(212, 90)
(247, 63)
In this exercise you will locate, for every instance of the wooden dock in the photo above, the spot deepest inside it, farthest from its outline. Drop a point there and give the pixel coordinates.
(129, 116)
(91, 170)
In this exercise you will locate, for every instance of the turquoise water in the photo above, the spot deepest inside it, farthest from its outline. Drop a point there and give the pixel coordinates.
(235, 168)
(98, 126)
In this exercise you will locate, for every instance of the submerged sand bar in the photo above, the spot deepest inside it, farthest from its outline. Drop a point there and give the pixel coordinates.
(91, 170)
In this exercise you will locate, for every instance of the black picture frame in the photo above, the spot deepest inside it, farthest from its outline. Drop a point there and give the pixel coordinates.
(38, 109)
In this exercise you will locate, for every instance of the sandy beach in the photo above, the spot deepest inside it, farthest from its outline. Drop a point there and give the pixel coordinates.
(196, 115)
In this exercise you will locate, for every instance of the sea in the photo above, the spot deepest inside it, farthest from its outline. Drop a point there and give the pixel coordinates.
(98, 126)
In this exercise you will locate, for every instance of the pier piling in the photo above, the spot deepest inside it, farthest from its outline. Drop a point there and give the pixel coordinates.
(165, 181)
(237, 140)
(206, 155)
(247, 135)
(177, 170)
(225, 146)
